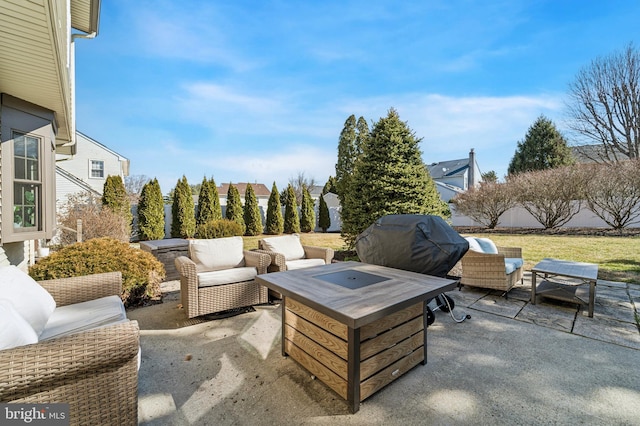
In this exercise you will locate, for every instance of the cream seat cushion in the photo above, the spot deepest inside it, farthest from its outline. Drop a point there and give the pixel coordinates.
(288, 245)
(84, 316)
(218, 253)
(227, 276)
(303, 263)
(29, 298)
(15, 330)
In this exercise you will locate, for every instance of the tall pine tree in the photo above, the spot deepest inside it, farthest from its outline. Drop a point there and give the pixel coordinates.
(252, 218)
(307, 212)
(390, 177)
(234, 206)
(216, 209)
(543, 148)
(275, 223)
(291, 217)
(151, 212)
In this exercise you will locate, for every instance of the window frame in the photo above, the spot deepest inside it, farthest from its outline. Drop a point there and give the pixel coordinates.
(91, 169)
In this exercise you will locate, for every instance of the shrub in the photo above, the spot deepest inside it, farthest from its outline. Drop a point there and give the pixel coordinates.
(234, 211)
(324, 219)
(219, 229)
(307, 212)
(252, 218)
(141, 272)
(183, 219)
(291, 218)
(97, 221)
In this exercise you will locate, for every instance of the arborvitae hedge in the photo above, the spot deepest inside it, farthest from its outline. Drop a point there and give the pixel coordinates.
(291, 218)
(324, 219)
(275, 222)
(307, 212)
(234, 206)
(151, 212)
(205, 203)
(252, 218)
(114, 196)
(183, 221)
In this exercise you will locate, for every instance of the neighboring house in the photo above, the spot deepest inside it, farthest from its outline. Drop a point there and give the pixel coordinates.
(37, 114)
(596, 153)
(88, 169)
(455, 176)
(262, 193)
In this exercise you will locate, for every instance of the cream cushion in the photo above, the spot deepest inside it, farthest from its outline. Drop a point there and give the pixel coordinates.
(15, 330)
(303, 263)
(29, 298)
(473, 244)
(71, 319)
(217, 253)
(227, 276)
(289, 246)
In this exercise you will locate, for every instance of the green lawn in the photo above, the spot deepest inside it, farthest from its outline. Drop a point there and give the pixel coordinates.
(618, 257)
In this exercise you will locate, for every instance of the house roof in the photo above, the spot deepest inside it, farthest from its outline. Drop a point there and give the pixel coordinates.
(448, 168)
(594, 153)
(36, 64)
(259, 188)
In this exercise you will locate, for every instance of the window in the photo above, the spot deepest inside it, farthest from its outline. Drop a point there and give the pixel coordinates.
(97, 169)
(27, 183)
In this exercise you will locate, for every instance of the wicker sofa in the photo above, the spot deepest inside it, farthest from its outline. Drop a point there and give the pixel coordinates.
(488, 266)
(94, 370)
(219, 275)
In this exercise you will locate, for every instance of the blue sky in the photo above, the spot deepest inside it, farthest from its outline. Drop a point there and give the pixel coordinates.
(258, 91)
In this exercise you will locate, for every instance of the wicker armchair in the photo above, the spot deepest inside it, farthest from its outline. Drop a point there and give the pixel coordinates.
(287, 253)
(207, 288)
(94, 371)
(498, 271)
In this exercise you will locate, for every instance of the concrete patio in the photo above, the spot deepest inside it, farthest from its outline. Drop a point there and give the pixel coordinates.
(511, 363)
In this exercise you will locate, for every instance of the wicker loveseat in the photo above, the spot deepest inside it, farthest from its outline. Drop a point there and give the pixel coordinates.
(94, 370)
(488, 266)
(219, 275)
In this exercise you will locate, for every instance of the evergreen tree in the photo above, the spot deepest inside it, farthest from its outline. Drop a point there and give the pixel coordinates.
(151, 212)
(291, 218)
(216, 209)
(234, 206)
(307, 212)
(390, 178)
(324, 219)
(346, 156)
(543, 148)
(252, 218)
(114, 197)
(330, 186)
(275, 222)
(362, 136)
(183, 221)
(205, 203)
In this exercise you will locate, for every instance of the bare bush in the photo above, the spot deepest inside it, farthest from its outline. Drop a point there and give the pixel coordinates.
(486, 203)
(552, 196)
(96, 221)
(613, 192)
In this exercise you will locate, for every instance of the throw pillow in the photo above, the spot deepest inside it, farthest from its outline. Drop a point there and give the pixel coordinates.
(288, 245)
(15, 330)
(473, 244)
(29, 298)
(487, 245)
(217, 253)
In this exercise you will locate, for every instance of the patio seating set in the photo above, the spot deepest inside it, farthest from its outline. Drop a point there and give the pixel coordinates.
(69, 340)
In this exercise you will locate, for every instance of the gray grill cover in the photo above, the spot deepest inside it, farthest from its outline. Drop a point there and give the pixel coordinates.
(418, 243)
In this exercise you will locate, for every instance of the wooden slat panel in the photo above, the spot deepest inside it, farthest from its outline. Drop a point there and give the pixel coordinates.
(389, 374)
(390, 338)
(391, 355)
(321, 372)
(317, 318)
(320, 353)
(383, 324)
(322, 337)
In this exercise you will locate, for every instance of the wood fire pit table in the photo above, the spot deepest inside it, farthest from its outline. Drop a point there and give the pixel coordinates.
(355, 326)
